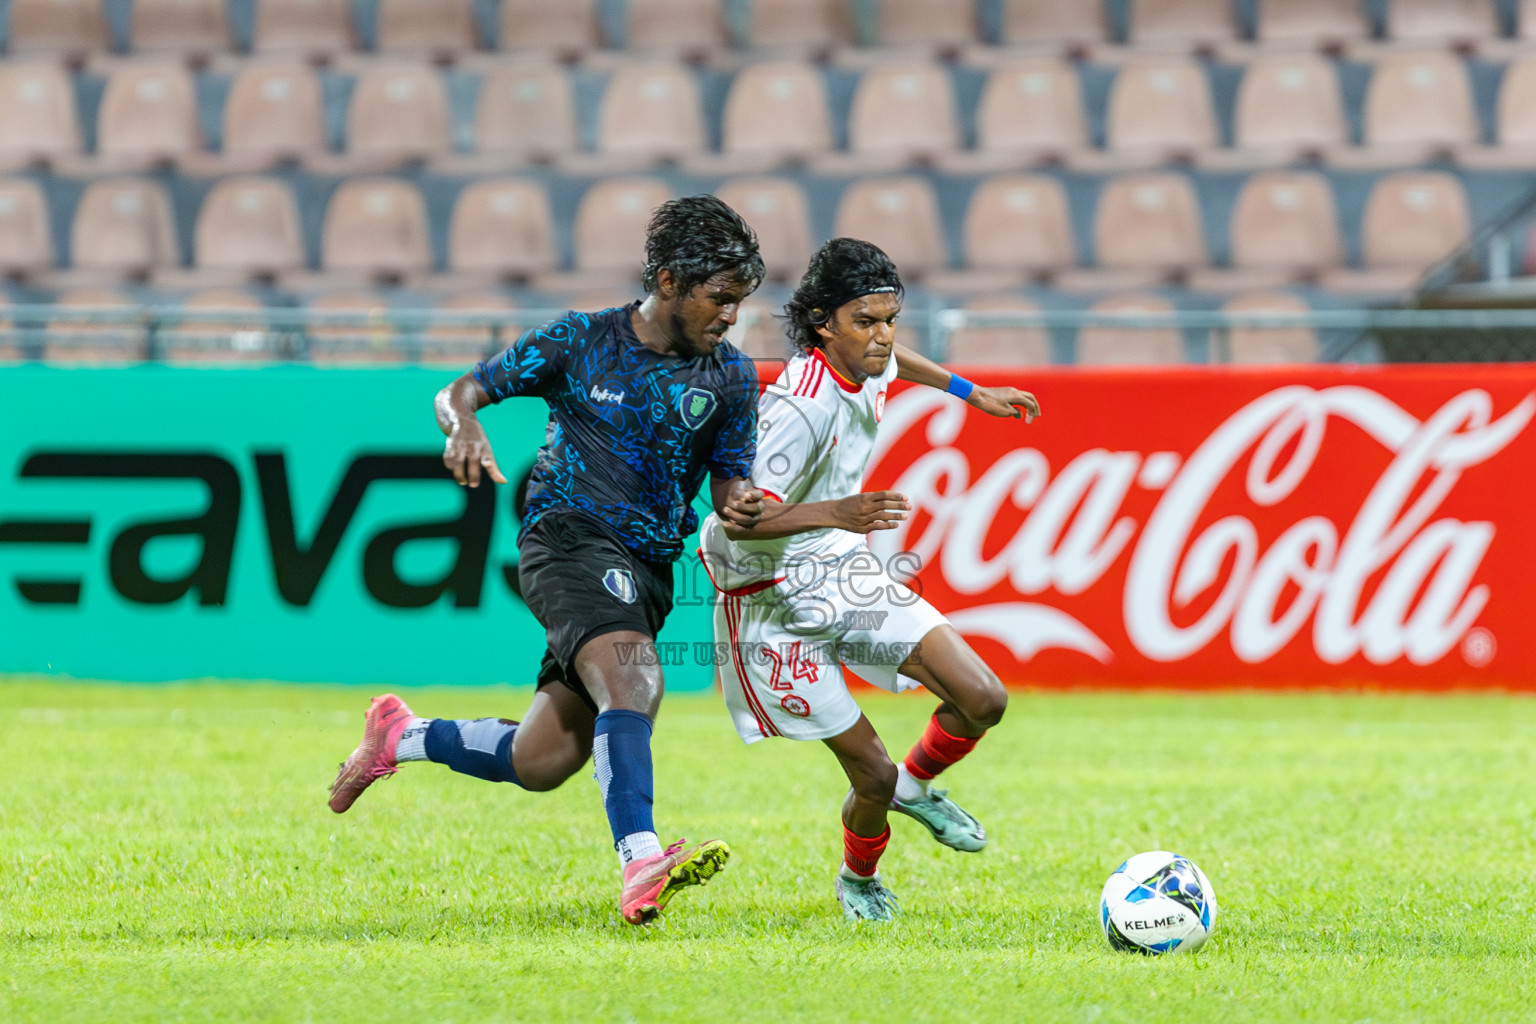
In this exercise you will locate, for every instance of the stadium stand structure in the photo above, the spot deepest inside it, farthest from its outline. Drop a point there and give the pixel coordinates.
(1122, 156)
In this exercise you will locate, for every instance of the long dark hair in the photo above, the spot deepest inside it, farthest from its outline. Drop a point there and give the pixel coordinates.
(697, 238)
(842, 270)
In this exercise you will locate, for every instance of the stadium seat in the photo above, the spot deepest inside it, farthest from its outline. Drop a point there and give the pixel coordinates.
(1418, 102)
(398, 112)
(26, 235)
(1160, 105)
(464, 345)
(651, 110)
(441, 27)
(377, 226)
(757, 332)
(179, 26)
(273, 112)
(250, 225)
(1113, 345)
(810, 24)
(694, 26)
(559, 27)
(1289, 104)
(777, 110)
(942, 23)
(75, 341)
(313, 27)
(527, 111)
(999, 346)
(1265, 345)
(37, 113)
(1180, 23)
(1310, 22)
(901, 216)
(1433, 20)
(777, 208)
(1284, 227)
(1019, 225)
(1525, 19)
(502, 227)
(58, 26)
(123, 226)
(148, 114)
(1149, 221)
(902, 111)
(1052, 21)
(202, 338)
(1413, 219)
(372, 340)
(610, 224)
(1031, 109)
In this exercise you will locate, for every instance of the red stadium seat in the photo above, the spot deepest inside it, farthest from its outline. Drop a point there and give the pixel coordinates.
(503, 227)
(778, 109)
(901, 216)
(778, 209)
(549, 26)
(274, 111)
(398, 112)
(445, 27)
(59, 26)
(1053, 21)
(251, 225)
(526, 109)
(148, 113)
(376, 225)
(179, 26)
(1129, 345)
(26, 236)
(317, 27)
(37, 113)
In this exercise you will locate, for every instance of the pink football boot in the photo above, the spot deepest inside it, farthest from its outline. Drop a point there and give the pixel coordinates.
(650, 882)
(374, 757)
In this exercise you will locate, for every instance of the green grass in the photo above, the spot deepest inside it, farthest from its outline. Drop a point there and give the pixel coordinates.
(167, 856)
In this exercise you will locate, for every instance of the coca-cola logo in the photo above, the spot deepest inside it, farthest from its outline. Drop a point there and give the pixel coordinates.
(1395, 580)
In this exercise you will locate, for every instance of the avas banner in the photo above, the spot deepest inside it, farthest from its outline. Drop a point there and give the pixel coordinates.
(287, 523)
(1216, 527)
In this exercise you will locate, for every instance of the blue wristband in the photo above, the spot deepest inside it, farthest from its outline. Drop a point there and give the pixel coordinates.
(960, 387)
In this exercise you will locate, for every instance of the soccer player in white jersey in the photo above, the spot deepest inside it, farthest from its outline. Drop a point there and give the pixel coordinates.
(801, 594)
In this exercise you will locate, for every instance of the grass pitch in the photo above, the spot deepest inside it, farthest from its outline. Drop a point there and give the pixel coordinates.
(168, 856)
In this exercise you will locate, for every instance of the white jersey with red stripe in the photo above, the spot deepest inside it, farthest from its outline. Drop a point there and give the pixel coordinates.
(815, 435)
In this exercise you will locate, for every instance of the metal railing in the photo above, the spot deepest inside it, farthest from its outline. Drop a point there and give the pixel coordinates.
(396, 336)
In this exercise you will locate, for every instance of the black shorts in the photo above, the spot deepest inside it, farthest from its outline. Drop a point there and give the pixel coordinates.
(581, 582)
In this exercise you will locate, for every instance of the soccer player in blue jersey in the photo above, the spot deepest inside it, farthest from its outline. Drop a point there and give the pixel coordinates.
(644, 401)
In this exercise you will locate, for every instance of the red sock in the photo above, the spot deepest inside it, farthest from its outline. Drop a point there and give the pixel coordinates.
(936, 751)
(861, 853)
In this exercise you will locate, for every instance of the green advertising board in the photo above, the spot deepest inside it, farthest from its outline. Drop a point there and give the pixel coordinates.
(289, 523)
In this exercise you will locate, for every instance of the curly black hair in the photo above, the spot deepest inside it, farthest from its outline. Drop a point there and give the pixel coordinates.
(842, 270)
(697, 238)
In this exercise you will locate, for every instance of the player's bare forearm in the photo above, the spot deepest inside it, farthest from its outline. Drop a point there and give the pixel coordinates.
(468, 450)
(1006, 402)
(857, 513)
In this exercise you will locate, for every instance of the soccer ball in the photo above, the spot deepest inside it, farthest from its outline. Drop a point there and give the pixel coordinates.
(1157, 903)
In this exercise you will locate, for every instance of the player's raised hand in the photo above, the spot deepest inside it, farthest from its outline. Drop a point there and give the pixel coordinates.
(468, 451)
(1009, 402)
(870, 511)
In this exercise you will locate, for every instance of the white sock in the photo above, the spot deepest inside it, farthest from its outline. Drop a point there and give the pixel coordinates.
(413, 742)
(853, 876)
(909, 789)
(637, 846)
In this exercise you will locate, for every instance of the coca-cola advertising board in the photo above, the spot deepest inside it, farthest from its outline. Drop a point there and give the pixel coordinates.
(1203, 527)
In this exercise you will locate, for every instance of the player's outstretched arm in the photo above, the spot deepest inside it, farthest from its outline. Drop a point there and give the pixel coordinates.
(468, 449)
(993, 401)
(857, 513)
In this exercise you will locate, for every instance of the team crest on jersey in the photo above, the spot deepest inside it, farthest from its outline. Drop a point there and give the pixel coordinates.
(795, 705)
(620, 584)
(695, 407)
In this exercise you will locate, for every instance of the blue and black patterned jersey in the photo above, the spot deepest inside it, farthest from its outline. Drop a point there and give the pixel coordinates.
(631, 432)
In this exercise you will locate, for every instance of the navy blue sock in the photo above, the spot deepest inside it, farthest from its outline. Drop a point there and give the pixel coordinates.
(621, 752)
(481, 747)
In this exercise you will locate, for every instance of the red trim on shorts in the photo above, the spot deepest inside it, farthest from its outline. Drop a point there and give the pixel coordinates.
(733, 621)
(842, 382)
(750, 588)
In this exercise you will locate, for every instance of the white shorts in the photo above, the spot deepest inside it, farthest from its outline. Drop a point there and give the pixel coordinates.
(782, 650)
